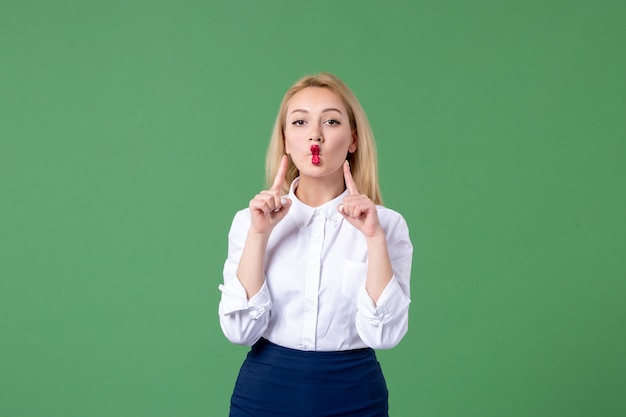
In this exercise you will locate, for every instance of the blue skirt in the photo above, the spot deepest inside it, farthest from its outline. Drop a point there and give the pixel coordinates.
(275, 381)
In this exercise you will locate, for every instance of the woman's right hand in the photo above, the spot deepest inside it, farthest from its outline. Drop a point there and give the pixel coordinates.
(268, 207)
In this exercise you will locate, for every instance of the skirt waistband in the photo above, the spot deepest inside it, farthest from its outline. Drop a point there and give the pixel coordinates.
(266, 344)
(268, 352)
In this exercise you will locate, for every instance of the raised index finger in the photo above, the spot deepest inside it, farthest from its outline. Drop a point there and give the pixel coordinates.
(347, 176)
(280, 175)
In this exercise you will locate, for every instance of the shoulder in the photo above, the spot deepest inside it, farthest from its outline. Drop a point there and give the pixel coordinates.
(393, 223)
(242, 215)
(240, 224)
(390, 217)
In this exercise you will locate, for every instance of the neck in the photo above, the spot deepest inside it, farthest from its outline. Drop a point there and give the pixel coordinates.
(316, 191)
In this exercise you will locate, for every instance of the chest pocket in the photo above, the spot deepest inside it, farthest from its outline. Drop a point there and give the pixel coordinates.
(353, 278)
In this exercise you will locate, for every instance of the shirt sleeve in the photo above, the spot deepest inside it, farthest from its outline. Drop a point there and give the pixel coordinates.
(243, 320)
(383, 325)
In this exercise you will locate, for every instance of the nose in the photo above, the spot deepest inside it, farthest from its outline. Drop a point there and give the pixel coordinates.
(315, 135)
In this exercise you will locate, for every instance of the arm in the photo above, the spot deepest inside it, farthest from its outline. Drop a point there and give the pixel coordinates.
(382, 305)
(384, 323)
(379, 270)
(245, 303)
(243, 319)
(267, 209)
(361, 212)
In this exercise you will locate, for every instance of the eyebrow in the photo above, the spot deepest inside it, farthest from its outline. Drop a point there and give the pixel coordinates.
(323, 111)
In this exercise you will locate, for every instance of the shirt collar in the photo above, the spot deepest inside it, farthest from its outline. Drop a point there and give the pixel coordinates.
(302, 213)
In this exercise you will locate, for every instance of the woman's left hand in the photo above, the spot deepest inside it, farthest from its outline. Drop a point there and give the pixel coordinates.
(358, 209)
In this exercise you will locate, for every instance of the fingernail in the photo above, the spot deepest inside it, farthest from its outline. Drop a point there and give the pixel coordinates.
(341, 208)
(283, 201)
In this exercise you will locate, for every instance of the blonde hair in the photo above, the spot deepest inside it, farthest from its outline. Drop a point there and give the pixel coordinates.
(363, 162)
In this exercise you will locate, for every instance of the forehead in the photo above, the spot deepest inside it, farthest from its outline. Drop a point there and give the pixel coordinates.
(315, 98)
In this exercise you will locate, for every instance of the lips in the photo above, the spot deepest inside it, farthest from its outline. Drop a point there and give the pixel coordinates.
(315, 154)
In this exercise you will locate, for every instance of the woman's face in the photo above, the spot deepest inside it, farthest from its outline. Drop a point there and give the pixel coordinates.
(317, 116)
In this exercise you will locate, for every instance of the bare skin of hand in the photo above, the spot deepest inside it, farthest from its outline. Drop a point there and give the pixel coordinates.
(358, 209)
(268, 207)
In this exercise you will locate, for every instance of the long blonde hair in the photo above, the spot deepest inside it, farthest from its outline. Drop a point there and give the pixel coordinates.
(363, 162)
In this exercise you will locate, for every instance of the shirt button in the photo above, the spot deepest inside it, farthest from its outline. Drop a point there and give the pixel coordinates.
(307, 340)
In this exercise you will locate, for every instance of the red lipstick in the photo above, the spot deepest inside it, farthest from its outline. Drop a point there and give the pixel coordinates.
(315, 154)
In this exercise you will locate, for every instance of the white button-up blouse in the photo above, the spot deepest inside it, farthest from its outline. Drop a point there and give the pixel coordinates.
(314, 295)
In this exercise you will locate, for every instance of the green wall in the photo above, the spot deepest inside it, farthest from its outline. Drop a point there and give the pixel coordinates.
(131, 131)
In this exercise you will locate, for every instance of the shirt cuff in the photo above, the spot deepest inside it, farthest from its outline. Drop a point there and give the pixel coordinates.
(234, 299)
(392, 301)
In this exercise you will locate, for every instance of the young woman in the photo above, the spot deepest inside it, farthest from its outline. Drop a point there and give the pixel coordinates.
(317, 274)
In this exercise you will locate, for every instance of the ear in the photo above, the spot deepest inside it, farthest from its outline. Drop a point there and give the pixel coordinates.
(355, 142)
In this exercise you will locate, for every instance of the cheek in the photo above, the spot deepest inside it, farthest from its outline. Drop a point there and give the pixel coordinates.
(293, 141)
(340, 140)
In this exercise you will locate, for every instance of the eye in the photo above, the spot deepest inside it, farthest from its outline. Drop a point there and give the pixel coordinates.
(333, 122)
(299, 122)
